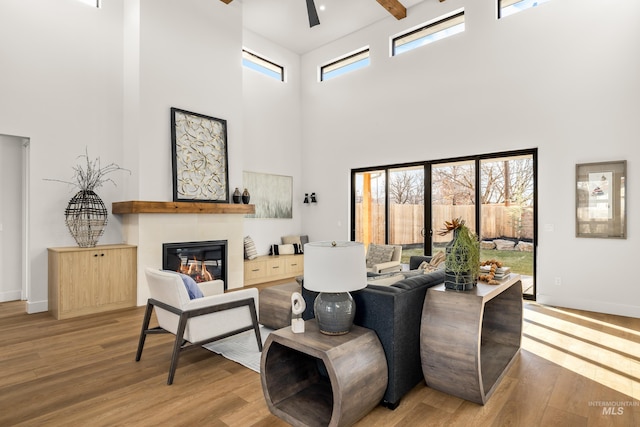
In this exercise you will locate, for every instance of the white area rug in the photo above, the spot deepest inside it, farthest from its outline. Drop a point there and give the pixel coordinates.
(241, 348)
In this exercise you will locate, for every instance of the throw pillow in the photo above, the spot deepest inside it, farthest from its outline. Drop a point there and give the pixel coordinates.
(377, 254)
(290, 240)
(436, 263)
(250, 251)
(192, 287)
(437, 259)
(423, 265)
(286, 249)
(297, 242)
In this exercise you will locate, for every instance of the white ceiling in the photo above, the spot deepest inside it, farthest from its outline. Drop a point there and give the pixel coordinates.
(285, 22)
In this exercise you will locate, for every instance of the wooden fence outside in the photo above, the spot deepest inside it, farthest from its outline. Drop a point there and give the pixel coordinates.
(406, 222)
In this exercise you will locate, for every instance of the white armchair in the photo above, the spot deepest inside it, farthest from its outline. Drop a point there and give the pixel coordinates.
(383, 258)
(199, 321)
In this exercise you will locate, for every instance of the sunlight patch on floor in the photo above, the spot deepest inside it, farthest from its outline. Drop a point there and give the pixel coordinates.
(603, 357)
(592, 321)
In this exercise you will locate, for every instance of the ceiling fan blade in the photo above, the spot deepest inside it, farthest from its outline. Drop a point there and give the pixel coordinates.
(313, 13)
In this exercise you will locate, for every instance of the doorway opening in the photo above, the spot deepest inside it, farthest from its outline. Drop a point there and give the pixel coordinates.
(14, 259)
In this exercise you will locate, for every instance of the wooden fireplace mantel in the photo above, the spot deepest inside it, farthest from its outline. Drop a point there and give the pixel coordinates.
(142, 207)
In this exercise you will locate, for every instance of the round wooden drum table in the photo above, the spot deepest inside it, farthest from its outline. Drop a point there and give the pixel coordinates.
(312, 379)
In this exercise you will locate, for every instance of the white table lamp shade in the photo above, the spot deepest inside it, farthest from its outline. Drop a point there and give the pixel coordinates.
(334, 267)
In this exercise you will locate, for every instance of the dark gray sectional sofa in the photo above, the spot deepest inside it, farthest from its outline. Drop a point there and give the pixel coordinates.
(394, 312)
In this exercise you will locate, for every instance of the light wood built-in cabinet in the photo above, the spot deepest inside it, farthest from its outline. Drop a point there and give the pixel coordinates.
(91, 280)
(269, 268)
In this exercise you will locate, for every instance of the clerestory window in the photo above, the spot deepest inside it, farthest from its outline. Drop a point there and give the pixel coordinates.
(262, 65)
(433, 31)
(509, 7)
(346, 64)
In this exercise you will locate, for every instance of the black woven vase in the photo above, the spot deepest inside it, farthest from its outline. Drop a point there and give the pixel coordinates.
(86, 218)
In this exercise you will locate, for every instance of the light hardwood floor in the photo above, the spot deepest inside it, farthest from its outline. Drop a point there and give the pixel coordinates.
(574, 369)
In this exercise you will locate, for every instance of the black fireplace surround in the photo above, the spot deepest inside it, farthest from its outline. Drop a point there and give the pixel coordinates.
(204, 260)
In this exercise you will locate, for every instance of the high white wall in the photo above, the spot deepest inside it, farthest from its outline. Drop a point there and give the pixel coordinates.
(189, 58)
(272, 116)
(186, 55)
(75, 77)
(61, 86)
(562, 77)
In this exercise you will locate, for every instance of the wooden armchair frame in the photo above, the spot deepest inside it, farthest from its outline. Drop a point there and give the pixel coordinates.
(180, 343)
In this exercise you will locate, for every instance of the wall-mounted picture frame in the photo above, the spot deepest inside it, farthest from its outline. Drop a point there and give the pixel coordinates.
(271, 194)
(199, 157)
(601, 200)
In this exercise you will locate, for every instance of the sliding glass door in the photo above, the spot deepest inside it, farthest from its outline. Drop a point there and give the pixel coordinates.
(406, 210)
(389, 208)
(494, 194)
(507, 234)
(453, 195)
(369, 207)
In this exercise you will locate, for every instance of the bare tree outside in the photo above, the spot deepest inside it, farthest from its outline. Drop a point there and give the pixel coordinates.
(506, 182)
(453, 185)
(406, 187)
(506, 197)
(510, 182)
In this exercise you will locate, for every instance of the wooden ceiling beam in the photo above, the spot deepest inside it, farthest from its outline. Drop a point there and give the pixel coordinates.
(394, 7)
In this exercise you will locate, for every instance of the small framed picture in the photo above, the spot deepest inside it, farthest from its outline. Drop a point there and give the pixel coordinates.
(601, 200)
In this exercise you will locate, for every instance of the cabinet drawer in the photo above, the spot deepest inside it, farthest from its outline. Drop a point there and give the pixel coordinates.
(275, 267)
(294, 266)
(268, 268)
(254, 269)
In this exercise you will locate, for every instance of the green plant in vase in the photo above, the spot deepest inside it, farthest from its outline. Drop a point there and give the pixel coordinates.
(462, 263)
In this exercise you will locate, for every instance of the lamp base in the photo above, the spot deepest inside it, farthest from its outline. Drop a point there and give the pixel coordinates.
(334, 312)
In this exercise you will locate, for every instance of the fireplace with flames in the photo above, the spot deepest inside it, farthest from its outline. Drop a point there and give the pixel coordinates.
(203, 261)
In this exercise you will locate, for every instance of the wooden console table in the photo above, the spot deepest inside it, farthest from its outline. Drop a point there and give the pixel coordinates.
(312, 379)
(468, 339)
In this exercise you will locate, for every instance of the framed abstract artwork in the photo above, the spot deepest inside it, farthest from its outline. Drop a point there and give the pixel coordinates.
(601, 200)
(272, 195)
(199, 157)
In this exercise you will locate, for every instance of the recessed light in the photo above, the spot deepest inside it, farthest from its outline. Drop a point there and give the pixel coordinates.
(322, 7)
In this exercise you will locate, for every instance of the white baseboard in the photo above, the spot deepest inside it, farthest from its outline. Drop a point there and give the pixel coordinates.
(37, 306)
(596, 306)
(10, 296)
